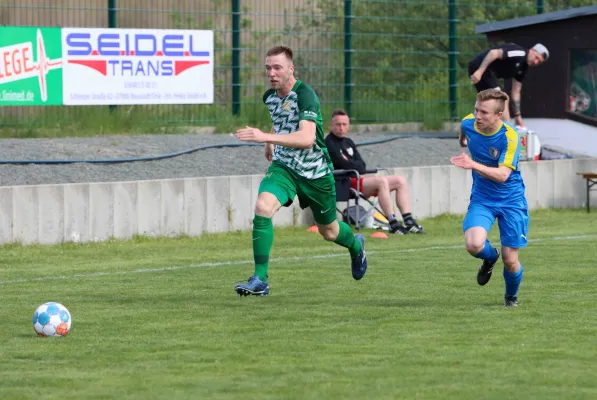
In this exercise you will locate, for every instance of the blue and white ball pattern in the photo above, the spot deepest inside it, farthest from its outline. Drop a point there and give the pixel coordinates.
(52, 319)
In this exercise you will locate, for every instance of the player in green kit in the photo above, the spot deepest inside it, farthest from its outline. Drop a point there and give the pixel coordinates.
(300, 166)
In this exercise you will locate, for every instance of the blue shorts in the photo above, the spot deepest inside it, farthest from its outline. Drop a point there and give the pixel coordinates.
(513, 221)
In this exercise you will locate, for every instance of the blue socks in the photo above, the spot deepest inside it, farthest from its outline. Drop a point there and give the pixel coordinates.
(512, 280)
(488, 253)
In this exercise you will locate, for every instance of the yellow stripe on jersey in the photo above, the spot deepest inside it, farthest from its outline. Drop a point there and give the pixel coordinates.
(470, 116)
(513, 143)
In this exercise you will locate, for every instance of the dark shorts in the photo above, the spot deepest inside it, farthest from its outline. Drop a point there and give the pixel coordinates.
(488, 80)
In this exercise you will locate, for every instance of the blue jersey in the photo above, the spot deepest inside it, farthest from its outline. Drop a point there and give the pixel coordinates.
(500, 148)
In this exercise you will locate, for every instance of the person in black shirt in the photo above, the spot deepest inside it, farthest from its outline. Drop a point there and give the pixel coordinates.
(345, 155)
(506, 61)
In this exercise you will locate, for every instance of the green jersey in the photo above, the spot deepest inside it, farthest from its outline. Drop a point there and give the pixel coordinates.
(300, 104)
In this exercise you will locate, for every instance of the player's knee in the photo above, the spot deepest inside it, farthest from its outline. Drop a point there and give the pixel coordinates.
(264, 208)
(474, 245)
(328, 233)
(510, 262)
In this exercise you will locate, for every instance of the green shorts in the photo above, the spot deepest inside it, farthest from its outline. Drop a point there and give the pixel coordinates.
(319, 194)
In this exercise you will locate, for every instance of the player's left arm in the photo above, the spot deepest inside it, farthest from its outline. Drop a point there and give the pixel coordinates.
(507, 162)
(499, 174)
(510, 153)
(301, 139)
(308, 113)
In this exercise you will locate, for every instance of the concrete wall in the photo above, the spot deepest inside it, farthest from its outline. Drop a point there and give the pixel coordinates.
(99, 211)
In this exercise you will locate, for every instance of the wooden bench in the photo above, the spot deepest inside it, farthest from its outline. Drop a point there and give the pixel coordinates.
(591, 178)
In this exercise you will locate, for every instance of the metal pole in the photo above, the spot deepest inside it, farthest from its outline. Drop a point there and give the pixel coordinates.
(235, 57)
(588, 196)
(111, 13)
(539, 6)
(348, 56)
(452, 54)
(112, 24)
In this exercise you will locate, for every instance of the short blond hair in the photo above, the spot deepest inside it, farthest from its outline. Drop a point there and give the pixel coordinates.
(494, 94)
(274, 51)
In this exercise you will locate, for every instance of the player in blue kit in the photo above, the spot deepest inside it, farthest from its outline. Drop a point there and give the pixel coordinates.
(498, 190)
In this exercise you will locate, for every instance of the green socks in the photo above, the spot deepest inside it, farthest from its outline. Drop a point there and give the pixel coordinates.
(263, 239)
(346, 239)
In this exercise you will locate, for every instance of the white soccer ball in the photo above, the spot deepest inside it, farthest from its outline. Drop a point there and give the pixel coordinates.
(52, 319)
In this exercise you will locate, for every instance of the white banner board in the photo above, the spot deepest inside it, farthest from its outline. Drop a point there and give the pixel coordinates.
(103, 66)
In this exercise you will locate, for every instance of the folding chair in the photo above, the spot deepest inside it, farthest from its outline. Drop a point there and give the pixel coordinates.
(356, 215)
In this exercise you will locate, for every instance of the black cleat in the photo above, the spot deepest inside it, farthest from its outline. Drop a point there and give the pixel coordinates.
(510, 301)
(414, 228)
(397, 228)
(485, 270)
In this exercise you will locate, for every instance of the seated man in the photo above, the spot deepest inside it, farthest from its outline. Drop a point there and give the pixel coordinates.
(344, 155)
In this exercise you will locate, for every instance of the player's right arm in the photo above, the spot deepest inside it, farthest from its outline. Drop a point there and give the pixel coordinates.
(462, 138)
(269, 148)
(491, 56)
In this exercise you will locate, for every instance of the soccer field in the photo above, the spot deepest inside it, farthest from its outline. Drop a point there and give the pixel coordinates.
(159, 319)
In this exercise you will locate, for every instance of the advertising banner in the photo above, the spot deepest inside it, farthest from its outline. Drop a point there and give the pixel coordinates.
(104, 66)
(30, 66)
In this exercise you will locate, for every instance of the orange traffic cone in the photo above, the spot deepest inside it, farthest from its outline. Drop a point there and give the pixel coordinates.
(313, 229)
(379, 235)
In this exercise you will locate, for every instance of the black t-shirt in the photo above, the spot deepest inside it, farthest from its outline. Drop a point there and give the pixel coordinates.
(512, 65)
(344, 153)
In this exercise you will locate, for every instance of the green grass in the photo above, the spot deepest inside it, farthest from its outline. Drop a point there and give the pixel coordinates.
(158, 319)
